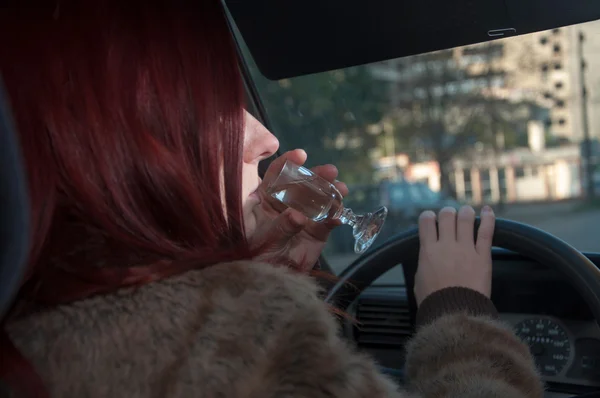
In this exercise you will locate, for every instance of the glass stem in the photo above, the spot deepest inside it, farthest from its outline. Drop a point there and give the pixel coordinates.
(348, 217)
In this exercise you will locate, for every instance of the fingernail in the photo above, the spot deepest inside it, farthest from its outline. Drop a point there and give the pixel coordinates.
(428, 214)
(486, 210)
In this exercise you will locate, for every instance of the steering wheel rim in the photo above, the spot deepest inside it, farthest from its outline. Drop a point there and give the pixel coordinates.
(518, 237)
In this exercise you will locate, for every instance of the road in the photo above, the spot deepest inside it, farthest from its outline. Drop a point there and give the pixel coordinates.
(579, 228)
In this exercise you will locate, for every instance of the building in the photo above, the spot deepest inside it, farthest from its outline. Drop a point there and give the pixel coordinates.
(520, 176)
(543, 67)
(533, 173)
(517, 175)
(546, 69)
(591, 54)
(541, 70)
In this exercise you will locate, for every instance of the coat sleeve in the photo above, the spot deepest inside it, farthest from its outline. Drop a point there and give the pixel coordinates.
(458, 355)
(455, 354)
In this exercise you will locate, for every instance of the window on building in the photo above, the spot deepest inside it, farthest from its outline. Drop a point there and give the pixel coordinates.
(562, 121)
(557, 66)
(519, 172)
(556, 48)
(502, 184)
(502, 177)
(467, 176)
(484, 175)
(484, 182)
(486, 194)
(468, 195)
(467, 185)
(559, 85)
(543, 40)
(535, 171)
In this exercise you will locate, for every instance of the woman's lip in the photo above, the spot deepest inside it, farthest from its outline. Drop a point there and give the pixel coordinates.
(254, 195)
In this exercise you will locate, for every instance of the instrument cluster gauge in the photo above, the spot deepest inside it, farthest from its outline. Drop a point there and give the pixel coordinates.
(550, 344)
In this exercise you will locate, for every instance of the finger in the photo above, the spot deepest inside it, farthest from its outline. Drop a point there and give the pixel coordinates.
(297, 156)
(427, 228)
(289, 223)
(329, 223)
(465, 225)
(485, 234)
(327, 171)
(342, 187)
(321, 231)
(447, 224)
(282, 229)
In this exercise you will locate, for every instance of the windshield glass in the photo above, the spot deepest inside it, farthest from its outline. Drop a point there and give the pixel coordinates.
(499, 123)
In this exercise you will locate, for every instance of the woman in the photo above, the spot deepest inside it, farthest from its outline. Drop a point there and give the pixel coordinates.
(153, 266)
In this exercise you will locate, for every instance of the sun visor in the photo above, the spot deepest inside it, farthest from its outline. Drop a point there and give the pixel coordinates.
(297, 37)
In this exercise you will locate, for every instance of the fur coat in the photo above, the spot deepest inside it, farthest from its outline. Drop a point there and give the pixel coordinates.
(253, 330)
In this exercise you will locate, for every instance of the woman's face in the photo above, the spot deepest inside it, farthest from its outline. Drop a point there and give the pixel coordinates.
(259, 144)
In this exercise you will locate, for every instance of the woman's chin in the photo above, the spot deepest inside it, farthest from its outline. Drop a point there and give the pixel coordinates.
(250, 223)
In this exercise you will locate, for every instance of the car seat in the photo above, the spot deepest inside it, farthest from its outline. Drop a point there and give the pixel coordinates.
(14, 208)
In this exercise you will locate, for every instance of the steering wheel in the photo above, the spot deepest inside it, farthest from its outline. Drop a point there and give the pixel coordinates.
(521, 238)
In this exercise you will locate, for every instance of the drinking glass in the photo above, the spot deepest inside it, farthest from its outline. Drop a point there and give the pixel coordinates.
(299, 188)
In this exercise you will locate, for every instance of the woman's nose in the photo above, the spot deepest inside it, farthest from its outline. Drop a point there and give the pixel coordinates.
(259, 142)
(269, 145)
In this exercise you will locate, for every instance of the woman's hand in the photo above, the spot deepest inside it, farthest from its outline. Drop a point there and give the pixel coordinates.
(289, 235)
(451, 257)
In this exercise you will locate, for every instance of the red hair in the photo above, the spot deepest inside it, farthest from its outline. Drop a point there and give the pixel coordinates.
(126, 111)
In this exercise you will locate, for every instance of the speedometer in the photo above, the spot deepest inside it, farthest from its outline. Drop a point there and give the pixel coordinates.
(549, 343)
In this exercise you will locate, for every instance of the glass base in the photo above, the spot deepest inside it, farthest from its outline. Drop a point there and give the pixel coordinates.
(367, 228)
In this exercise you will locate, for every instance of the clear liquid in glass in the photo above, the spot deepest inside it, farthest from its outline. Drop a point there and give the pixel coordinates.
(299, 188)
(310, 197)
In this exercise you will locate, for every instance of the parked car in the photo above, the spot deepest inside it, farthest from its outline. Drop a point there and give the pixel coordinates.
(405, 201)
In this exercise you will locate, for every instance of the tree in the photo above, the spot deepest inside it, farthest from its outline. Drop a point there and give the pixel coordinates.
(448, 100)
(328, 114)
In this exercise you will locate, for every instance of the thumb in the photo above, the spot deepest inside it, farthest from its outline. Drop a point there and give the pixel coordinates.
(277, 233)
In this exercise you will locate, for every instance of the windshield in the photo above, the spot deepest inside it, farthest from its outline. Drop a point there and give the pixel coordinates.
(499, 123)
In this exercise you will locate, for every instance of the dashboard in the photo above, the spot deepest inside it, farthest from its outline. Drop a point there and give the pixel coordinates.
(549, 315)
(543, 309)
(566, 352)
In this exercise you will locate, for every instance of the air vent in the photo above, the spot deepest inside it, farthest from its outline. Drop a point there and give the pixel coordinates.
(382, 323)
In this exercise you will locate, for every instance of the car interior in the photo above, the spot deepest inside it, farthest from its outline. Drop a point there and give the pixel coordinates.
(546, 287)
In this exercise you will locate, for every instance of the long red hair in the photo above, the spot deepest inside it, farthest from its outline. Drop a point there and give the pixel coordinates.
(126, 111)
